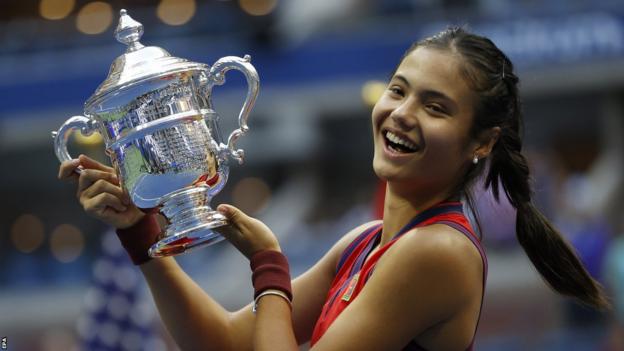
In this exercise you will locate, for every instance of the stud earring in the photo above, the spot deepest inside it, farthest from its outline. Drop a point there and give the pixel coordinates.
(475, 160)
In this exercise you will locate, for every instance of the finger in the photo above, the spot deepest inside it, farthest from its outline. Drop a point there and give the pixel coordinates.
(234, 215)
(90, 176)
(232, 231)
(103, 186)
(67, 170)
(228, 232)
(100, 202)
(109, 215)
(88, 162)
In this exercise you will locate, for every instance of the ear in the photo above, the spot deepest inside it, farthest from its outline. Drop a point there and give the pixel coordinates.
(486, 141)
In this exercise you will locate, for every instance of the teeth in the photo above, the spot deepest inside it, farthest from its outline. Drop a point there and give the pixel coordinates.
(398, 140)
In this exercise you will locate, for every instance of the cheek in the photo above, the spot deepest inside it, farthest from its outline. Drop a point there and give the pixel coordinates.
(380, 111)
(445, 144)
(375, 118)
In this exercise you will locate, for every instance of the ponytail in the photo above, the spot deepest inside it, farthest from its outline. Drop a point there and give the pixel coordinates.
(553, 257)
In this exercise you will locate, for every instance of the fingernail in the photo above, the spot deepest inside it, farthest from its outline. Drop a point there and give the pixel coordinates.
(223, 209)
(75, 162)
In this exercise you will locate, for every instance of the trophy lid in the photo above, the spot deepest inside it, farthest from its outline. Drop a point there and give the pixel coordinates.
(139, 62)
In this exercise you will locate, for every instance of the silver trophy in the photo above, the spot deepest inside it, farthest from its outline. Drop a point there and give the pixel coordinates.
(162, 135)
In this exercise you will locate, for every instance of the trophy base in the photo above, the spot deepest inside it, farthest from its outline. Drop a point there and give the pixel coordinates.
(197, 236)
(191, 221)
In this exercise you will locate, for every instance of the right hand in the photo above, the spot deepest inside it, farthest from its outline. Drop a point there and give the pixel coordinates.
(99, 192)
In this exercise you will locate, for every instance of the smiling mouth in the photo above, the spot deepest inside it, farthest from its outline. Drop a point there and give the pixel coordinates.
(399, 144)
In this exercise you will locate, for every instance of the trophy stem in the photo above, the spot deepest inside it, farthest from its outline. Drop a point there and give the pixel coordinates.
(191, 220)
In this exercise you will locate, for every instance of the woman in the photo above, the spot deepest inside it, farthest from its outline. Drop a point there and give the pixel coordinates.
(412, 281)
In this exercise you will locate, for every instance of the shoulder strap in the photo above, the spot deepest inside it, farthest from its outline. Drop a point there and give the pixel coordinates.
(349, 250)
(429, 214)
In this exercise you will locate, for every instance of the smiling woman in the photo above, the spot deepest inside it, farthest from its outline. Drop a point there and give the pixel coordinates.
(423, 117)
(412, 281)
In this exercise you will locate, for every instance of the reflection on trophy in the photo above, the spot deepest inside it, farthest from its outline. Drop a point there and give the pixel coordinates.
(211, 178)
(162, 135)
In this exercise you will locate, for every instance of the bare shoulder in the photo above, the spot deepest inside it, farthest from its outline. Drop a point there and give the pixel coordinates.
(428, 253)
(439, 240)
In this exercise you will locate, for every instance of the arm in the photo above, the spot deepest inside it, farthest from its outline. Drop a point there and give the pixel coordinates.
(190, 315)
(403, 298)
(195, 313)
(194, 319)
(277, 326)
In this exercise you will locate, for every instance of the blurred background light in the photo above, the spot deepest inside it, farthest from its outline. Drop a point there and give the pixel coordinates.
(56, 9)
(372, 91)
(257, 7)
(94, 17)
(176, 12)
(251, 195)
(66, 243)
(94, 139)
(27, 233)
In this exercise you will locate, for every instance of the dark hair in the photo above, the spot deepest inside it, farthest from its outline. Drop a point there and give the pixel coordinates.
(490, 73)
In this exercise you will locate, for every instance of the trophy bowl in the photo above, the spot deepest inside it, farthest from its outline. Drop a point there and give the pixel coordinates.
(162, 135)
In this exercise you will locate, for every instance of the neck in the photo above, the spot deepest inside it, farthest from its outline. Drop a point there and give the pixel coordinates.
(401, 205)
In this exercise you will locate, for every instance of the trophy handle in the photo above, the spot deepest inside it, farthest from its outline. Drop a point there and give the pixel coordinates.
(86, 126)
(217, 76)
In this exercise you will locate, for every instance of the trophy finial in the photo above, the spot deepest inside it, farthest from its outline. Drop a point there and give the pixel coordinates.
(129, 31)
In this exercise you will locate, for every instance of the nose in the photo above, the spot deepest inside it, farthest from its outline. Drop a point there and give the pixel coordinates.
(404, 117)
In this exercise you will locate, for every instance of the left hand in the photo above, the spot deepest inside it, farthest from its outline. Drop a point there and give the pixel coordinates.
(247, 234)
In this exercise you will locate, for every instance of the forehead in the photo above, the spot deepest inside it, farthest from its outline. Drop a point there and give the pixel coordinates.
(439, 70)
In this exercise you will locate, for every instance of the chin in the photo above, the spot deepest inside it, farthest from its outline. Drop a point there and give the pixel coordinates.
(378, 169)
(381, 175)
(383, 171)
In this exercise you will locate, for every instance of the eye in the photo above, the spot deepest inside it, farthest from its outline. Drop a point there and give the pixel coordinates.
(396, 90)
(436, 109)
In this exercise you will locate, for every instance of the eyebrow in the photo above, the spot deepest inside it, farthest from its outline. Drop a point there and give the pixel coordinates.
(430, 93)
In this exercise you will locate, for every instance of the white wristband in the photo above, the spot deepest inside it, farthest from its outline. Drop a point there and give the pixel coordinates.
(270, 292)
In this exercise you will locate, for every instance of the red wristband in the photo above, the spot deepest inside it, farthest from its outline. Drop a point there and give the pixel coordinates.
(138, 238)
(270, 271)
